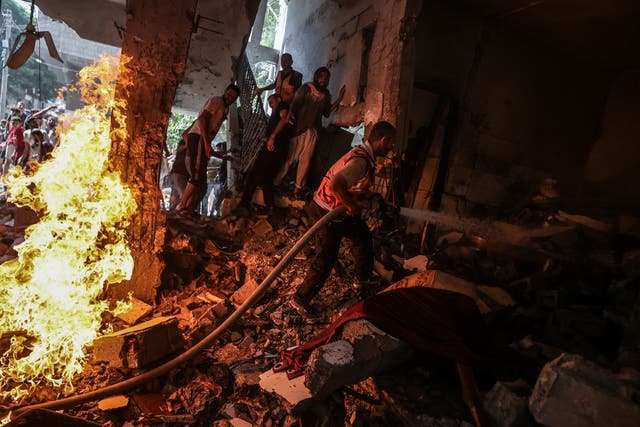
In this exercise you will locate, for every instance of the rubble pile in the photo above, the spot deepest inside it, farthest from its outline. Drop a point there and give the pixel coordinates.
(559, 289)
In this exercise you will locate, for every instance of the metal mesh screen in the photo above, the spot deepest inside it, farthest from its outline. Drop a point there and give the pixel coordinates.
(253, 120)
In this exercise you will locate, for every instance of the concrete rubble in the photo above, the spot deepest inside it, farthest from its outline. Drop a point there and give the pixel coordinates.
(507, 404)
(140, 345)
(363, 351)
(544, 290)
(572, 391)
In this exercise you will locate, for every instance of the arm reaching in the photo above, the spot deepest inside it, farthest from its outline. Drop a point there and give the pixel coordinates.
(284, 120)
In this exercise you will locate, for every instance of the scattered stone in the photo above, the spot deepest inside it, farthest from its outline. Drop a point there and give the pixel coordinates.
(364, 351)
(137, 311)
(417, 263)
(212, 267)
(262, 227)
(245, 291)
(572, 391)
(140, 345)
(293, 391)
(507, 404)
(294, 222)
(219, 306)
(228, 354)
(248, 374)
(113, 403)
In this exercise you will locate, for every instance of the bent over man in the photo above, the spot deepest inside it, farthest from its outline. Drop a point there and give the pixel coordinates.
(198, 138)
(346, 183)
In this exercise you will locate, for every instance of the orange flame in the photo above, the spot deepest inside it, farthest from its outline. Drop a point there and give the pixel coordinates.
(50, 294)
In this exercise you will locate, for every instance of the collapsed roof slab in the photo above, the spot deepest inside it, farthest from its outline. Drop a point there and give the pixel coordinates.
(221, 28)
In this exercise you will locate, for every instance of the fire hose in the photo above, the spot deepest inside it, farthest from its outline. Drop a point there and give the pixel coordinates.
(207, 341)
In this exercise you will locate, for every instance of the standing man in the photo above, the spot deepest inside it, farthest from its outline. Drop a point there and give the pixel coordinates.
(346, 183)
(198, 138)
(310, 103)
(15, 144)
(271, 156)
(287, 80)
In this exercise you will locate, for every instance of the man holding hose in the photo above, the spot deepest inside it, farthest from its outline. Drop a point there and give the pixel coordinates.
(346, 183)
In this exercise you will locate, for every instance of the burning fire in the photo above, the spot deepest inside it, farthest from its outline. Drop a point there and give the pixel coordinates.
(50, 296)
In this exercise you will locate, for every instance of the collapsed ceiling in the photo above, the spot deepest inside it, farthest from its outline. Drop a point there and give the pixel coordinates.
(222, 26)
(604, 34)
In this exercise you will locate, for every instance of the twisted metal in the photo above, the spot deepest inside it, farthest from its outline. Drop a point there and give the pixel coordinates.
(253, 119)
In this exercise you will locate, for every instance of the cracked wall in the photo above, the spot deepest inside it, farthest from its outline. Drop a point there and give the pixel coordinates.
(331, 33)
(527, 111)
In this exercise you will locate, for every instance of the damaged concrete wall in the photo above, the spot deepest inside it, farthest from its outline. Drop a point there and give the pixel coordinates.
(614, 160)
(332, 33)
(157, 43)
(222, 31)
(527, 111)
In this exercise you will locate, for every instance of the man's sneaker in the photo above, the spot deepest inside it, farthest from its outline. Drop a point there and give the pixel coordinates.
(303, 309)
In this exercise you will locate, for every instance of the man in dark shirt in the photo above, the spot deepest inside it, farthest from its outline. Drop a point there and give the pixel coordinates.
(311, 102)
(271, 156)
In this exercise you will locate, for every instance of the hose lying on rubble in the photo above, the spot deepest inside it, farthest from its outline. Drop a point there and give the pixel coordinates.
(196, 349)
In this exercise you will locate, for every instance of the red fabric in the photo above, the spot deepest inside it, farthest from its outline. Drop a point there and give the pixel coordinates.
(437, 321)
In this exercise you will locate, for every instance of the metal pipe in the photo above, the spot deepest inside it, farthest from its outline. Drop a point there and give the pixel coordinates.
(196, 349)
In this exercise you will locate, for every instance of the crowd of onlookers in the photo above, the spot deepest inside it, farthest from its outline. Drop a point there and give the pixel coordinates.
(26, 136)
(291, 138)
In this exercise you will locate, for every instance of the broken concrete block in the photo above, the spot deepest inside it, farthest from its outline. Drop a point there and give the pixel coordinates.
(364, 351)
(507, 404)
(417, 263)
(137, 311)
(572, 391)
(262, 227)
(247, 374)
(113, 403)
(293, 391)
(245, 291)
(228, 354)
(218, 305)
(212, 267)
(140, 345)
